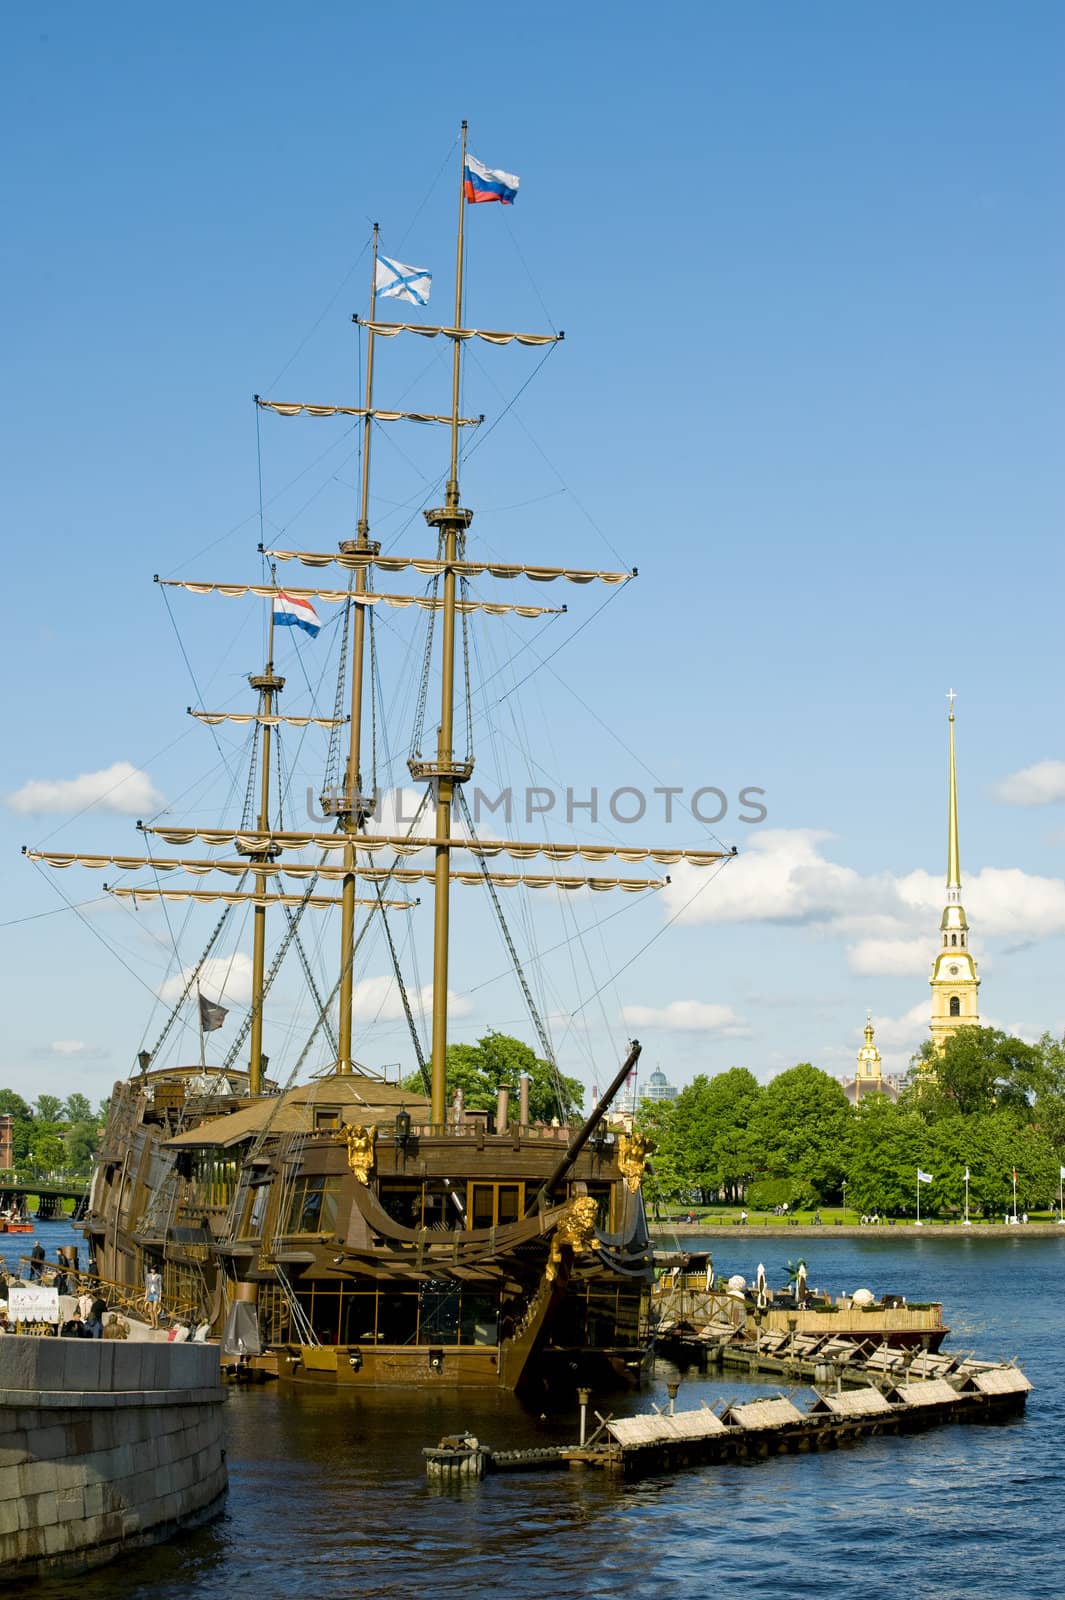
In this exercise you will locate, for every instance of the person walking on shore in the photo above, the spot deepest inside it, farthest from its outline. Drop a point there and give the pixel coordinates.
(153, 1293)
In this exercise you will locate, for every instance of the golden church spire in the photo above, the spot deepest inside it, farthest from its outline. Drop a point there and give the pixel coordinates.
(954, 981)
(953, 859)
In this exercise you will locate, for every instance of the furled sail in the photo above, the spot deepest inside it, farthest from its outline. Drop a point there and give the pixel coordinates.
(384, 874)
(388, 330)
(400, 601)
(402, 844)
(293, 408)
(235, 897)
(354, 560)
(271, 721)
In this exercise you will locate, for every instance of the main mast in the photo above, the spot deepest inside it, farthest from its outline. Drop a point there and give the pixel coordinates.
(445, 772)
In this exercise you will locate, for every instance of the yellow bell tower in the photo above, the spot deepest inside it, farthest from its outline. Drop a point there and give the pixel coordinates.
(869, 1078)
(954, 982)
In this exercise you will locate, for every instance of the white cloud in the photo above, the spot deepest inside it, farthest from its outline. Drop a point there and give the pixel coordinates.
(1040, 785)
(687, 1016)
(70, 1049)
(379, 1000)
(1001, 901)
(785, 877)
(396, 810)
(905, 1032)
(781, 877)
(874, 958)
(224, 978)
(122, 788)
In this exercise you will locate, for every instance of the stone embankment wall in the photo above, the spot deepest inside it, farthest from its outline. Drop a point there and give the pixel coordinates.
(104, 1446)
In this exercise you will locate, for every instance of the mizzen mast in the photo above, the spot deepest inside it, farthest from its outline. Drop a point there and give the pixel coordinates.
(268, 684)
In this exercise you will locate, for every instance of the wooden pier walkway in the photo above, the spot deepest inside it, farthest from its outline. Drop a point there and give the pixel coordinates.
(865, 1394)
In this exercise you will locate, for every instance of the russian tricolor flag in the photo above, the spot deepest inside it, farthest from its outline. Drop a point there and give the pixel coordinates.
(482, 183)
(292, 612)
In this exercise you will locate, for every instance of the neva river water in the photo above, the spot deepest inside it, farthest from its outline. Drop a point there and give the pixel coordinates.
(328, 1495)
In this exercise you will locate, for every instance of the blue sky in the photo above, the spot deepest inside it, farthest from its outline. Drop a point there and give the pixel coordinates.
(809, 265)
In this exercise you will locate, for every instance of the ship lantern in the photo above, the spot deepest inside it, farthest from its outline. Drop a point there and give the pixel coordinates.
(402, 1128)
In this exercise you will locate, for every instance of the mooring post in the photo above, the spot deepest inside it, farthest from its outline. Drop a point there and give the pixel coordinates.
(583, 1396)
(671, 1390)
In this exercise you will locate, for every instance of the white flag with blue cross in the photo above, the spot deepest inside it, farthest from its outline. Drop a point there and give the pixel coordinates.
(394, 281)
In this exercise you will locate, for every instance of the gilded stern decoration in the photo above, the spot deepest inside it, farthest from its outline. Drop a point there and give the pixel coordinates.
(633, 1150)
(360, 1150)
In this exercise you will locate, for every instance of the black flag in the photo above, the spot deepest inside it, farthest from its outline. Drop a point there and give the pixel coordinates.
(211, 1016)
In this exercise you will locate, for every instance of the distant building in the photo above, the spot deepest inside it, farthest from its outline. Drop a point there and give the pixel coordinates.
(7, 1155)
(659, 1087)
(869, 1077)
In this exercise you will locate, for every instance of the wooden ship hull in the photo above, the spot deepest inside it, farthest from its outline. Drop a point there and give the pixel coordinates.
(329, 1237)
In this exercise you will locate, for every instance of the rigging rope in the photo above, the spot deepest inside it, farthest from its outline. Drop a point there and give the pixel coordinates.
(194, 974)
(534, 1013)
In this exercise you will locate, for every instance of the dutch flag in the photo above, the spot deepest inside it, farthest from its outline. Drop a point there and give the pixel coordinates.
(292, 612)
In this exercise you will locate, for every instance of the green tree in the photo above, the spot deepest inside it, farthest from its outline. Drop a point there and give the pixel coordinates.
(48, 1108)
(496, 1061)
(978, 1070)
(80, 1143)
(77, 1108)
(1049, 1108)
(888, 1143)
(46, 1149)
(803, 1127)
(705, 1140)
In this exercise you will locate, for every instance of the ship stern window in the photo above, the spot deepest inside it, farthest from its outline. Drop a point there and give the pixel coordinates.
(313, 1207)
(493, 1203)
(402, 1201)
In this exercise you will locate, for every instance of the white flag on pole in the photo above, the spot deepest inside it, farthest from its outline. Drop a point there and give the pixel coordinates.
(966, 1174)
(394, 281)
(1062, 1173)
(923, 1177)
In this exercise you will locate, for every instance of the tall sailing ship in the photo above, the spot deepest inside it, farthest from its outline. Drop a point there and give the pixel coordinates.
(345, 1229)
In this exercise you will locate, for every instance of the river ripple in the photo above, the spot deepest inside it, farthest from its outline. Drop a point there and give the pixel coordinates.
(329, 1497)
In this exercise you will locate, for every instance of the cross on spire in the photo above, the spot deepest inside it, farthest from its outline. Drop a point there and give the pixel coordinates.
(951, 697)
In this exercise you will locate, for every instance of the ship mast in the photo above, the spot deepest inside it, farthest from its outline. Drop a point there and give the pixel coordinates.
(355, 807)
(257, 850)
(268, 684)
(451, 520)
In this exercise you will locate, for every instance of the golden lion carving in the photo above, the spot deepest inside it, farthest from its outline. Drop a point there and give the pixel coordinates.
(575, 1230)
(360, 1150)
(633, 1150)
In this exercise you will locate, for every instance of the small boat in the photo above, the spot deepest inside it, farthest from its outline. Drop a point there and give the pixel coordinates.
(687, 1308)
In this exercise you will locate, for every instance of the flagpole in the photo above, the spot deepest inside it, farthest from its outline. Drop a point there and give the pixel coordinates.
(267, 683)
(199, 1014)
(1061, 1196)
(967, 1223)
(918, 1197)
(1015, 1194)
